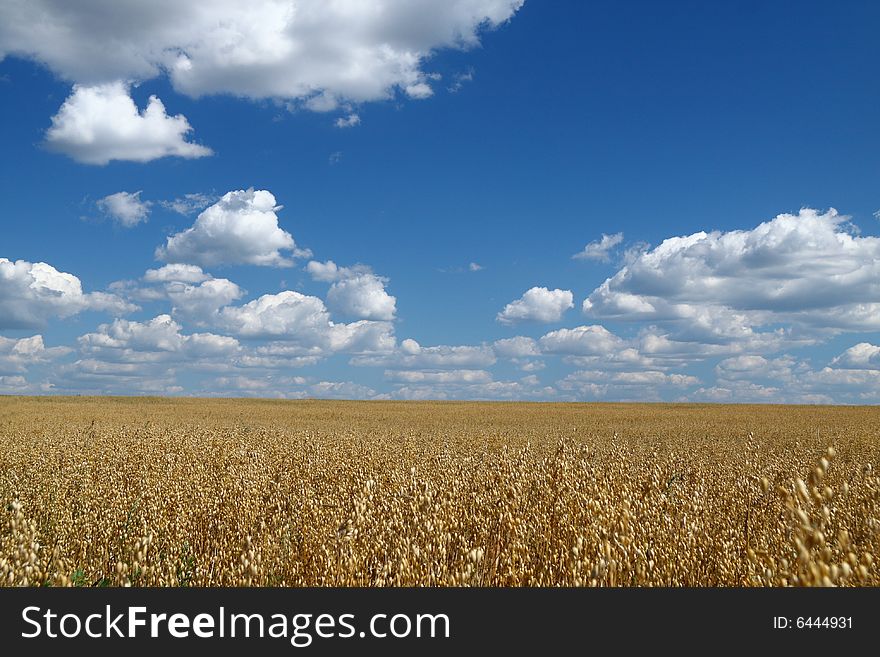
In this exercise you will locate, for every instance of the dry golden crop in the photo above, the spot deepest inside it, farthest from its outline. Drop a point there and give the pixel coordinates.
(150, 492)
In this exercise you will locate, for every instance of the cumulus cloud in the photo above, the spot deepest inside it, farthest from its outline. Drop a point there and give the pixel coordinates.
(438, 376)
(320, 54)
(600, 249)
(305, 321)
(811, 270)
(195, 295)
(33, 292)
(517, 347)
(240, 228)
(285, 314)
(581, 341)
(159, 339)
(128, 357)
(754, 367)
(537, 304)
(526, 388)
(176, 272)
(200, 302)
(125, 208)
(362, 296)
(17, 356)
(411, 355)
(349, 121)
(629, 385)
(864, 355)
(341, 390)
(97, 124)
(355, 291)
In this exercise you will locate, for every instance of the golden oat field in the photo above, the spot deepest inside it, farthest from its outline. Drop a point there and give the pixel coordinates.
(195, 492)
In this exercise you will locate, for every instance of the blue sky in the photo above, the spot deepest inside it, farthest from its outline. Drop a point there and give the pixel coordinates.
(451, 160)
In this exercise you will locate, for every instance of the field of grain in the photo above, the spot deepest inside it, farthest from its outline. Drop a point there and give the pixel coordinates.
(150, 492)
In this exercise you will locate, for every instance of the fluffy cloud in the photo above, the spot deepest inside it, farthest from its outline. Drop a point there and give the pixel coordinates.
(16, 356)
(581, 341)
(305, 321)
(600, 249)
(411, 355)
(349, 121)
(100, 123)
(330, 272)
(861, 356)
(438, 376)
(362, 296)
(145, 357)
(200, 302)
(631, 385)
(810, 270)
(195, 295)
(537, 304)
(288, 387)
(240, 228)
(176, 273)
(125, 208)
(285, 314)
(32, 292)
(356, 291)
(517, 347)
(751, 367)
(321, 54)
(159, 339)
(526, 388)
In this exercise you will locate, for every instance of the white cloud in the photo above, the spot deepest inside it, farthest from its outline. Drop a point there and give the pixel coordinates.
(329, 272)
(319, 53)
(753, 367)
(600, 249)
(475, 267)
(285, 314)
(200, 302)
(526, 388)
(581, 341)
(355, 291)
(17, 356)
(33, 292)
(341, 390)
(529, 365)
(516, 347)
(742, 392)
(419, 90)
(459, 79)
(808, 270)
(125, 208)
(176, 272)
(634, 378)
(349, 121)
(861, 356)
(157, 340)
(97, 124)
(195, 295)
(362, 296)
(188, 203)
(438, 376)
(305, 321)
(240, 228)
(411, 355)
(537, 304)
(628, 385)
